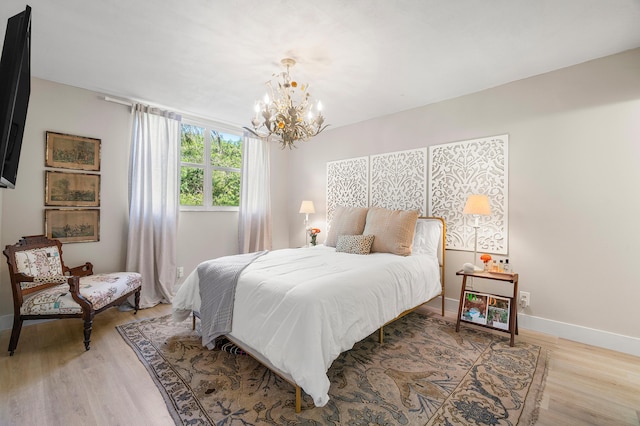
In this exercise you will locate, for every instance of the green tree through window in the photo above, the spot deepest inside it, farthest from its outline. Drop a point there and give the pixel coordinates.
(210, 163)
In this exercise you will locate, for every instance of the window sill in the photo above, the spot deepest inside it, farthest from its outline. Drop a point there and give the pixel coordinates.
(209, 209)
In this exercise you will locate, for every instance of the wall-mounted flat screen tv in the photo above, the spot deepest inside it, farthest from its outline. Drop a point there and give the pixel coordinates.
(15, 88)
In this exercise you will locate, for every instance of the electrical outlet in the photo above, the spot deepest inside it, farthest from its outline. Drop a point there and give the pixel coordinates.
(525, 299)
(180, 271)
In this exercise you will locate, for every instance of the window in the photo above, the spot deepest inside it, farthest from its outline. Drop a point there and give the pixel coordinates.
(210, 162)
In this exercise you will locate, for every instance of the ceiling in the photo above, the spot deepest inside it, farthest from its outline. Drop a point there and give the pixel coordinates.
(363, 58)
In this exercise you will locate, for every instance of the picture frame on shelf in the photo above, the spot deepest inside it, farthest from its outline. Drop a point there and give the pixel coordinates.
(498, 312)
(72, 152)
(474, 307)
(72, 225)
(486, 309)
(68, 189)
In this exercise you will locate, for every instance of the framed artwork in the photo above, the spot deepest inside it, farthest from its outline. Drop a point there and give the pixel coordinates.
(72, 152)
(72, 189)
(72, 225)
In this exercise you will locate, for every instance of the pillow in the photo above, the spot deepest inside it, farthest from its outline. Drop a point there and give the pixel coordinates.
(427, 237)
(40, 261)
(393, 229)
(346, 221)
(354, 244)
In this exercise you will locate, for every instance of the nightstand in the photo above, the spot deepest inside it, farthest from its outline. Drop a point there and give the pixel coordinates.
(493, 304)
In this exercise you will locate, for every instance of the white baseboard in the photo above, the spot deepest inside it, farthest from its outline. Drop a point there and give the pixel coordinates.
(590, 336)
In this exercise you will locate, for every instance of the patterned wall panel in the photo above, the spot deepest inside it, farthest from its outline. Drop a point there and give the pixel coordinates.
(347, 184)
(478, 166)
(398, 180)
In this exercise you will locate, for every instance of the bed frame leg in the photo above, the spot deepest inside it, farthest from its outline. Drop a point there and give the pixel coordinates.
(381, 335)
(298, 403)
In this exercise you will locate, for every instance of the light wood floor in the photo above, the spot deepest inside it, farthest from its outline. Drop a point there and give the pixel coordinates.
(51, 380)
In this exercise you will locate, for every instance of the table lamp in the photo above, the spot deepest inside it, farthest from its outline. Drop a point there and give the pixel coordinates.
(477, 205)
(307, 208)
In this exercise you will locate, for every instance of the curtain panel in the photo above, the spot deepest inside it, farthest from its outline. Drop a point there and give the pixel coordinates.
(154, 202)
(254, 218)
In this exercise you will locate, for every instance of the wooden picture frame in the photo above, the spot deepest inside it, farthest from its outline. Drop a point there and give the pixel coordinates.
(72, 189)
(72, 225)
(72, 152)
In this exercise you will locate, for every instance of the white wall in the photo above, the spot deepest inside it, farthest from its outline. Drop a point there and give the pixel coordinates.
(574, 169)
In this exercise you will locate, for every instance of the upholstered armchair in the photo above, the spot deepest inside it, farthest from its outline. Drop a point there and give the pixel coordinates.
(44, 288)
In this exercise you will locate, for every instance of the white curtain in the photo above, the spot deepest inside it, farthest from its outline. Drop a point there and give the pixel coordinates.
(254, 221)
(154, 202)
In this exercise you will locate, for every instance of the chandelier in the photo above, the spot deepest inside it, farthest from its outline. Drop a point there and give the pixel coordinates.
(288, 114)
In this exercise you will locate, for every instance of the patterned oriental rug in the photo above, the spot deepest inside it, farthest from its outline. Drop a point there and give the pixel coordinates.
(424, 374)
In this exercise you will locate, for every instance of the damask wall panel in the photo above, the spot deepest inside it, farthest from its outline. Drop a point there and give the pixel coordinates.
(398, 180)
(347, 184)
(478, 166)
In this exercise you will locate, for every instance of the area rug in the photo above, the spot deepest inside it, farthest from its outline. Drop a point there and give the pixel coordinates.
(424, 374)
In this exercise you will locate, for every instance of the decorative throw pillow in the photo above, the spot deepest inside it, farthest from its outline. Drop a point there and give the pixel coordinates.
(354, 244)
(427, 237)
(393, 230)
(346, 221)
(41, 261)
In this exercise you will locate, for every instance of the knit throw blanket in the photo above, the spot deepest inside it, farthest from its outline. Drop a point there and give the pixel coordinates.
(218, 281)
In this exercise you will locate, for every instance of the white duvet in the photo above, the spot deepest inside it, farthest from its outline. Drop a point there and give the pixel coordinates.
(300, 308)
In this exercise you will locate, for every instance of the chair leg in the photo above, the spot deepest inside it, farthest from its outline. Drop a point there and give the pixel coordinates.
(15, 334)
(137, 301)
(88, 321)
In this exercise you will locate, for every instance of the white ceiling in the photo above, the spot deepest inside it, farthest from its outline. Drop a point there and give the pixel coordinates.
(363, 58)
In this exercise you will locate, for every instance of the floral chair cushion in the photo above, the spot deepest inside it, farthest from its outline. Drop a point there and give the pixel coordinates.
(38, 262)
(99, 289)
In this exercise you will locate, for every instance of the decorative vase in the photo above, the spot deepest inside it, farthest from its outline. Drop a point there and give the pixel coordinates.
(313, 240)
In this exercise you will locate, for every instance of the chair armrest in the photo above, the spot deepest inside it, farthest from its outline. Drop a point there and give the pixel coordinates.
(46, 281)
(22, 278)
(74, 290)
(82, 270)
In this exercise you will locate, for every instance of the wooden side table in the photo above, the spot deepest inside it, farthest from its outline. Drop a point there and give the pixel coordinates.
(513, 307)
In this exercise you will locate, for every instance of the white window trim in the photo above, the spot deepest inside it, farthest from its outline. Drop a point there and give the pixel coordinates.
(208, 168)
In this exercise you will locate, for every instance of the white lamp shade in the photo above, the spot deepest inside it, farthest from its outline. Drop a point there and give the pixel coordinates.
(477, 204)
(307, 207)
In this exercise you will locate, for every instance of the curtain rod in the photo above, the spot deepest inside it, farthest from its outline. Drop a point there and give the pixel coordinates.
(118, 101)
(130, 103)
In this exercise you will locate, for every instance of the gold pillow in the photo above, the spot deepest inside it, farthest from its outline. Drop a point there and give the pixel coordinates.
(393, 230)
(346, 221)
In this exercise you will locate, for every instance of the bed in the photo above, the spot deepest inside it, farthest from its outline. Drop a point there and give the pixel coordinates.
(296, 310)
